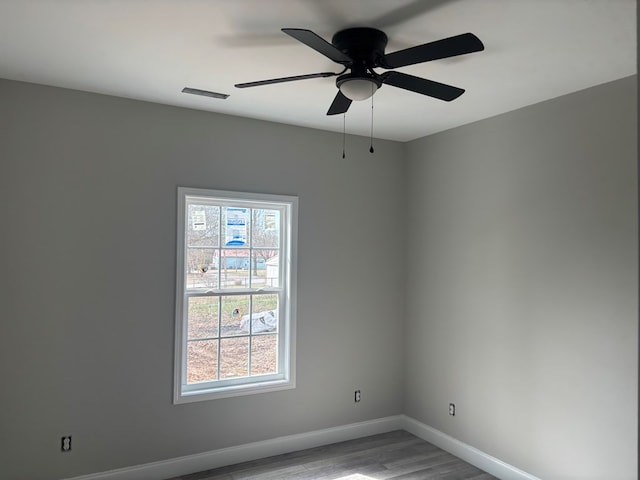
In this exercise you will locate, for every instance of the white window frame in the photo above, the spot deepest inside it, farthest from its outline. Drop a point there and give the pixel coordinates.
(285, 377)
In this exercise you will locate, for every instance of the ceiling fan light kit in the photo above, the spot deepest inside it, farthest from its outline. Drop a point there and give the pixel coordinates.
(360, 50)
(358, 87)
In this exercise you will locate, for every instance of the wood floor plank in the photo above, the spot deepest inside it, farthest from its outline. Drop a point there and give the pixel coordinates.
(396, 455)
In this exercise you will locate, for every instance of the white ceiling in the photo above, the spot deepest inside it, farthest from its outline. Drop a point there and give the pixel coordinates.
(151, 49)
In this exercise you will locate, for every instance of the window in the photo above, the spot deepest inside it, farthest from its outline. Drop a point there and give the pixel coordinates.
(235, 301)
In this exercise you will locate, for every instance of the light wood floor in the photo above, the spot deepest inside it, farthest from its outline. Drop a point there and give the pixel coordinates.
(389, 456)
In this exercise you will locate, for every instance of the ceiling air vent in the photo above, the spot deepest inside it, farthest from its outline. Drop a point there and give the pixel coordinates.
(204, 93)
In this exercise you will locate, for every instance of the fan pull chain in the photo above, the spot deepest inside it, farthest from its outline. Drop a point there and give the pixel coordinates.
(371, 137)
(344, 133)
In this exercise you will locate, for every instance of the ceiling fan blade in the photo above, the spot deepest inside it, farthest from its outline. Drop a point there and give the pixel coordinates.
(422, 86)
(285, 79)
(340, 104)
(319, 44)
(445, 48)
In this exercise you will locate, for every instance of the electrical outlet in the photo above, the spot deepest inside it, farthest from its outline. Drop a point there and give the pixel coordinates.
(452, 409)
(357, 396)
(65, 444)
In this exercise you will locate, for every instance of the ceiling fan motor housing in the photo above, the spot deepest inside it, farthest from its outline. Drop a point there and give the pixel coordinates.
(364, 45)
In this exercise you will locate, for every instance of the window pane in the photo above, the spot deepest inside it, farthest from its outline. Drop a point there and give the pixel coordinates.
(202, 360)
(271, 268)
(234, 308)
(202, 317)
(264, 267)
(234, 268)
(265, 228)
(265, 314)
(235, 226)
(203, 227)
(202, 268)
(234, 357)
(264, 354)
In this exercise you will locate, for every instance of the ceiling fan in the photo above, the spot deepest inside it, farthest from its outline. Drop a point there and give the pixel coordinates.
(360, 50)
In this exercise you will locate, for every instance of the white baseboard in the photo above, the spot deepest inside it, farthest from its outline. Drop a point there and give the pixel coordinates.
(469, 454)
(250, 451)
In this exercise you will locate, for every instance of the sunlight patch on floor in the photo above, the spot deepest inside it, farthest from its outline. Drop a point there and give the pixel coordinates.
(355, 476)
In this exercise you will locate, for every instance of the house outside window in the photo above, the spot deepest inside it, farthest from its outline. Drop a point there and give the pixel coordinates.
(235, 299)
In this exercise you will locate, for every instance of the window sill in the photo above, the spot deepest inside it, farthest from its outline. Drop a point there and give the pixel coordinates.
(232, 391)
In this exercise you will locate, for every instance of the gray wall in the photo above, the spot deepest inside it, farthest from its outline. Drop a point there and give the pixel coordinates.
(522, 289)
(521, 280)
(88, 208)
